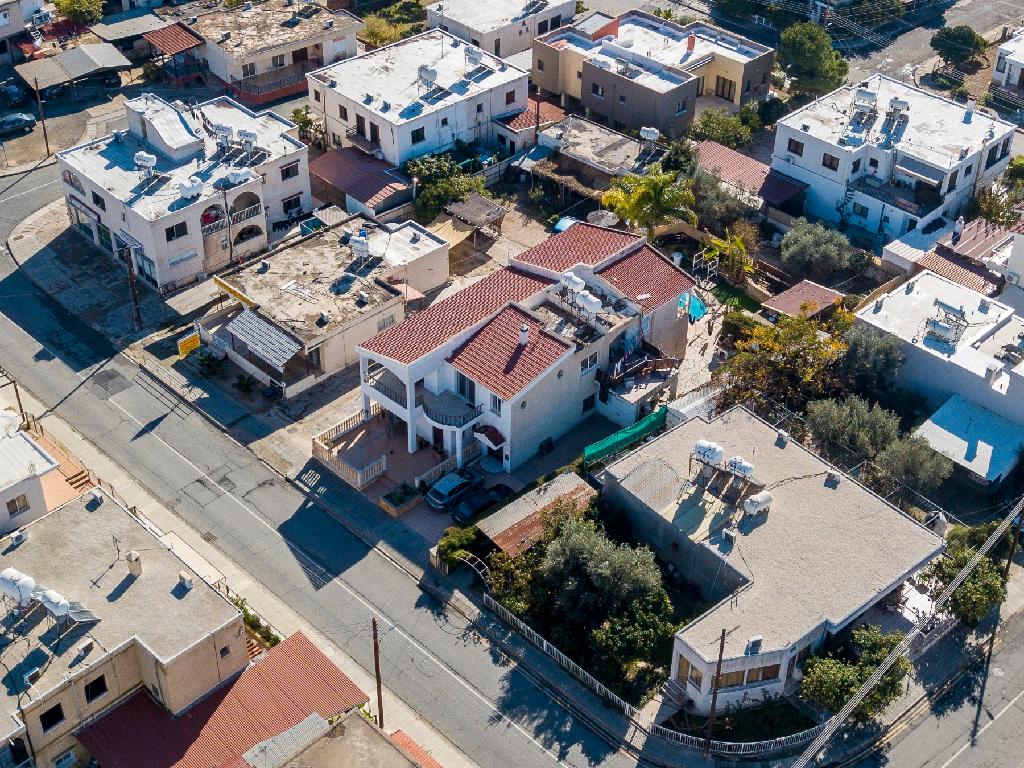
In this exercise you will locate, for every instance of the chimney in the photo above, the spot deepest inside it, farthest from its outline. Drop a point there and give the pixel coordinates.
(524, 334)
(691, 41)
(134, 563)
(969, 112)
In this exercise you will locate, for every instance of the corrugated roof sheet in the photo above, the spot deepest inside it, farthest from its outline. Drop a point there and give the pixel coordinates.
(647, 277)
(120, 26)
(477, 210)
(291, 682)
(263, 338)
(493, 357)
(961, 270)
(581, 243)
(975, 438)
(72, 64)
(278, 750)
(359, 175)
(174, 39)
(976, 242)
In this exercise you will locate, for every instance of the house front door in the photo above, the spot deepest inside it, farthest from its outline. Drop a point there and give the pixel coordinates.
(438, 438)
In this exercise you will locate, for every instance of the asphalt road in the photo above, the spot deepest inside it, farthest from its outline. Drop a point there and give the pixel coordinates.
(913, 47)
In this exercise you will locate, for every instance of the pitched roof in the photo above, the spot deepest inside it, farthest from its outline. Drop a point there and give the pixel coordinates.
(581, 243)
(419, 755)
(806, 291)
(976, 241)
(960, 270)
(648, 278)
(173, 39)
(549, 113)
(746, 173)
(426, 331)
(291, 682)
(493, 357)
(359, 175)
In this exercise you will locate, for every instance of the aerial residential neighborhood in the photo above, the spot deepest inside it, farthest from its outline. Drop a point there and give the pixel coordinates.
(523, 383)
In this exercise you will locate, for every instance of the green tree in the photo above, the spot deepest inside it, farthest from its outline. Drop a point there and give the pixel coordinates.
(912, 462)
(996, 206)
(972, 537)
(510, 580)
(680, 157)
(716, 208)
(853, 425)
(807, 56)
(455, 543)
(829, 682)
(734, 263)
(379, 31)
(957, 45)
(716, 124)
(80, 11)
(771, 110)
(813, 250)
(1014, 174)
(651, 198)
(981, 590)
(872, 361)
(440, 181)
(641, 631)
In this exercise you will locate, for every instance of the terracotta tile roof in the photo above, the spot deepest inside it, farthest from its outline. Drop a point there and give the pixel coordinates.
(975, 242)
(426, 331)
(581, 243)
(549, 113)
(646, 273)
(173, 39)
(744, 172)
(962, 271)
(415, 751)
(362, 176)
(493, 358)
(291, 682)
(790, 300)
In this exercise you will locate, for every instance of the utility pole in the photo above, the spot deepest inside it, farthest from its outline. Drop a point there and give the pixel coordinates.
(714, 695)
(42, 117)
(17, 395)
(1013, 542)
(376, 670)
(134, 288)
(536, 121)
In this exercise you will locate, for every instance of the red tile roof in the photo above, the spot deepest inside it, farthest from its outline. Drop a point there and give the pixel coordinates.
(173, 39)
(805, 292)
(961, 270)
(646, 273)
(426, 331)
(549, 113)
(418, 754)
(493, 358)
(291, 682)
(581, 243)
(359, 175)
(731, 167)
(976, 242)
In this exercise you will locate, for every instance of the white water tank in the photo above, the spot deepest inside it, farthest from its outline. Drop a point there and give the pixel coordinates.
(54, 602)
(941, 330)
(248, 139)
(759, 502)
(709, 452)
(192, 187)
(588, 302)
(650, 134)
(17, 585)
(239, 176)
(572, 281)
(145, 160)
(740, 467)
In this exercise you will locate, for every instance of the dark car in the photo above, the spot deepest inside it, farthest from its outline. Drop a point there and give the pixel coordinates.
(19, 122)
(479, 501)
(451, 489)
(52, 91)
(104, 79)
(15, 96)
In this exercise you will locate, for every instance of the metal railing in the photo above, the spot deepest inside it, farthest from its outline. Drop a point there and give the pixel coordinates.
(392, 394)
(246, 213)
(449, 419)
(436, 472)
(288, 75)
(323, 451)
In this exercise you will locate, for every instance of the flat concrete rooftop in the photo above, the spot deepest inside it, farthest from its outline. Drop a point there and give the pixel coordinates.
(799, 556)
(79, 551)
(494, 14)
(21, 457)
(595, 145)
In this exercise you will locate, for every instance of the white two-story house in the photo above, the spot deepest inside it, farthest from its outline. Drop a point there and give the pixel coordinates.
(415, 97)
(186, 191)
(588, 321)
(889, 158)
(502, 27)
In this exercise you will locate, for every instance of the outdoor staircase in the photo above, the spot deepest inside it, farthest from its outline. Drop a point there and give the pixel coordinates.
(675, 691)
(80, 480)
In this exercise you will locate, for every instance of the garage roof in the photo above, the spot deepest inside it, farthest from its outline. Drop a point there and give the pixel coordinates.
(264, 339)
(121, 26)
(72, 64)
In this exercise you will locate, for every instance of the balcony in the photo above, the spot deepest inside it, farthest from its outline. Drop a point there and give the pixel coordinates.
(389, 385)
(276, 79)
(360, 141)
(447, 409)
(237, 217)
(918, 201)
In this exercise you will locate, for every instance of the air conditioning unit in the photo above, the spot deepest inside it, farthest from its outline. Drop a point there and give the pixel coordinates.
(185, 580)
(31, 676)
(18, 538)
(85, 647)
(730, 534)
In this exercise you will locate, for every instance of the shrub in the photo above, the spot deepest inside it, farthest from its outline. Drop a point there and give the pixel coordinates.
(717, 124)
(771, 110)
(814, 250)
(455, 543)
(738, 325)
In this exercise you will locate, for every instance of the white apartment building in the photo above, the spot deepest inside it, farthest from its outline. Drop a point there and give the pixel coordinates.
(186, 191)
(1009, 69)
(586, 322)
(415, 97)
(15, 17)
(772, 535)
(889, 158)
(23, 465)
(502, 27)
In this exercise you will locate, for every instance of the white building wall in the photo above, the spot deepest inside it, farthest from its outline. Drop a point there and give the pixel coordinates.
(32, 488)
(513, 37)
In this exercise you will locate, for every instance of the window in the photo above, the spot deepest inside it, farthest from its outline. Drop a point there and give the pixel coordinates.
(497, 47)
(99, 202)
(178, 230)
(764, 78)
(1006, 147)
(289, 171)
(17, 505)
(795, 147)
(248, 70)
(730, 679)
(952, 181)
(145, 267)
(277, 61)
(990, 161)
(588, 403)
(540, 65)
(502, 140)
(343, 113)
(51, 718)
(385, 322)
(419, 135)
(760, 674)
(316, 95)
(95, 688)
(860, 210)
(579, 74)
(873, 163)
(466, 387)
(746, 88)
(225, 651)
(855, 166)
(681, 108)
(542, 27)
(495, 405)
(597, 90)
(479, 108)
(1001, 64)
(695, 677)
(556, 21)
(968, 170)
(444, 121)
(510, 97)
(622, 99)
(474, 42)
(588, 364)
(830, 161)
(293, 203)
(66, 759)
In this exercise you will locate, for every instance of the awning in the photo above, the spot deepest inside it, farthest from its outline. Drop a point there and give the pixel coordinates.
(919, 170)
(72, 64)
(533, 156)
(489, 436)
(778, 189)
(173, 39)
(451, 229)
(264, 339)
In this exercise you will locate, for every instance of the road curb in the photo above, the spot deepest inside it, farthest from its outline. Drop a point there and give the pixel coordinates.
(24, 168)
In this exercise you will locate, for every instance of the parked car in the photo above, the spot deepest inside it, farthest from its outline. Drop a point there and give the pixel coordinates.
(479, 501)
(19, 122)
(451, 489)
(15, 95)
(103, 79)
(52, 91)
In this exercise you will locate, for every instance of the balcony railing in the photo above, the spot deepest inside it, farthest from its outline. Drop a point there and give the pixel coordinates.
(268, 82)
(389, 392)
(359, 140)
(913, 201)
(237, 217)
(447, 408)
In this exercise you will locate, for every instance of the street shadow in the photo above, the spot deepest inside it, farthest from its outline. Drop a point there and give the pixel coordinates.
(969, 689)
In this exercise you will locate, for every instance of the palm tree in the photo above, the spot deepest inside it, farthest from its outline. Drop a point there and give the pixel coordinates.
(651, 198)
(734, 262)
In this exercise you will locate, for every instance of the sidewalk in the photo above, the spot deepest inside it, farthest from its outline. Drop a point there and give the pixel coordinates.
(207, 559)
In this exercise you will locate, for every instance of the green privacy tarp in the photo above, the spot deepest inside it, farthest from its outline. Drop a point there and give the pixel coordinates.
(624, 438)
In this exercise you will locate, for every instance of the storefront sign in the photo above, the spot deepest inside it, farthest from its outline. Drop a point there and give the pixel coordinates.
(188, 343)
